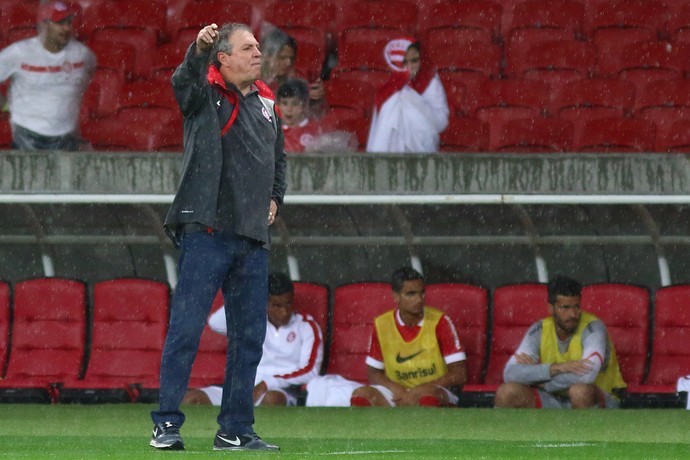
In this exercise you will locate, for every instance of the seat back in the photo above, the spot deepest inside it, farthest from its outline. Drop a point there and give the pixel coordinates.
(468, 308)
(670, 354)
(48, 331)
(313, 299)
(515, 308)
(624, 309)
(130, 319)
(4, 325)
(354, 308)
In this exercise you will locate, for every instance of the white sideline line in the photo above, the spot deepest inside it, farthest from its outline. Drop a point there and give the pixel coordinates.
(353, 452)
(563, 444)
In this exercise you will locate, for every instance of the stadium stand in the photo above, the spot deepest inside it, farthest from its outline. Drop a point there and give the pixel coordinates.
(48, 338)
(130, 319)
(678, 138)
(349, 98)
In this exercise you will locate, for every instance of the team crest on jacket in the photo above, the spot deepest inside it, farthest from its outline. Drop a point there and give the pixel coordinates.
(265, 113)
(394, 53)
(291, 337)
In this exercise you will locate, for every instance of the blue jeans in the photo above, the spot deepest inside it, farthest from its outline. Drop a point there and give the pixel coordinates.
(238, 266)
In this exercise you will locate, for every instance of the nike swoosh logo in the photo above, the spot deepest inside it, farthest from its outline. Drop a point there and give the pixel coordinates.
(234, 442)
(402, 359)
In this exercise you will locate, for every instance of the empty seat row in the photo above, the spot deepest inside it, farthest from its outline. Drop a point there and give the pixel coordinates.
(44, 324)
(53, 347)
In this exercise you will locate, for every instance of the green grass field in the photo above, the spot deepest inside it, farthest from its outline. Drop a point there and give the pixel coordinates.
(122, 432)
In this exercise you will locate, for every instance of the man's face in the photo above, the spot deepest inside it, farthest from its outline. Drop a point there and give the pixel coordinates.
(566, 314)
(292, 109)
(58, 34)
(280, 309)
(243, 65)
(410, 299)
(284, 61)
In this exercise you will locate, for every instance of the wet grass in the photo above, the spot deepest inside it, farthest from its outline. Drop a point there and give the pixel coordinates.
(122, 432)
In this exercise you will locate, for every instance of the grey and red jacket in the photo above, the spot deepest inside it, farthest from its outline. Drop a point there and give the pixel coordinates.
(214, 114)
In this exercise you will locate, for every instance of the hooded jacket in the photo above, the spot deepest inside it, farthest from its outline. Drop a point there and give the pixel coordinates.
(210, 109)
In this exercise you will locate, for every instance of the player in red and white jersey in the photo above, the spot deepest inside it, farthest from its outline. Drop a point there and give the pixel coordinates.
(49, 74)
(292, 351)
(415, 356)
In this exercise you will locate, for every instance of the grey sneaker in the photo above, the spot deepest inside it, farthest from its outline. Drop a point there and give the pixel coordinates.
(247, 441)
(167, 436)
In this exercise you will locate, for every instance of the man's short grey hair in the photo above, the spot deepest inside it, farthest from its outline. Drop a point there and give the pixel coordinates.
(223, 42)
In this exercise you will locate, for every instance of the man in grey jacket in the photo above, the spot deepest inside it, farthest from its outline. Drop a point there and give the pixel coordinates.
(233, 182)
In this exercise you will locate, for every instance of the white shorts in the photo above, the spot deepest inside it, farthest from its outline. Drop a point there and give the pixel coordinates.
(388, 394)
(215, 395)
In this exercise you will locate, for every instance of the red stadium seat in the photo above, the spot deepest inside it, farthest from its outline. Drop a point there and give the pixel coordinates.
(456, 92)
(614, 135)
(5, 132)
(18, 21)
(649, 15)
(477, 15)
(468, 308)
(465, 134)
(645, 62)
(313, 299)
(360, 18)
(348, 98)
(143, 41)
(610, 97)
(296, 16)
(671, 133)
(671, 333)
(130, 319)
(115, 14)
(610, 44)
(531, 97)
(4, 325)
(517, 47)
(449, 52)
(624, 309)
(192, 15)
(354, 308)
(118, 57)
(679, 22)
(566, 15)
(515, 308)
(364, 60)
(531, 135)
(47, 340)
(677, 138)
(558, 55)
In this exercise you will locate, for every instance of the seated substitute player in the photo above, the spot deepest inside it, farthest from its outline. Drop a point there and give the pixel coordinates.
(415, 357)
(566, 360)
(292, 351)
